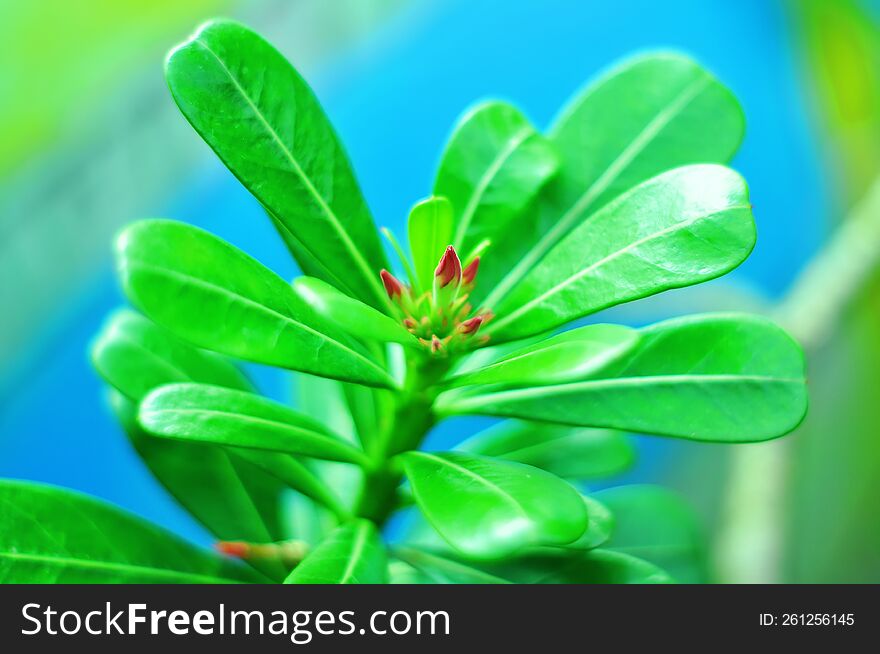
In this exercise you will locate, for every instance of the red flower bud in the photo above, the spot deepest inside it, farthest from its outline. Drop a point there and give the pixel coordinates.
(392, 285)
(470, 325)
(233, 548)
(449, 269)
(470, 273)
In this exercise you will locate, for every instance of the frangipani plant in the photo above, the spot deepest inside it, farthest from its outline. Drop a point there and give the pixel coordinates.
(523, 235)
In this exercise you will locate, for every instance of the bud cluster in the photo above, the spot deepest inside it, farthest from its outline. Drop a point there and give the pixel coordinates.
(441, 317)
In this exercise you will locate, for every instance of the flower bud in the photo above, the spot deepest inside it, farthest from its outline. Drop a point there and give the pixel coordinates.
(470, 273)
(449, 269)
(471, 325)
(392, 285)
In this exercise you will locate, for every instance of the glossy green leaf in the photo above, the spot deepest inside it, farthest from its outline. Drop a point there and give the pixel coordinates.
(430, 232)
(233, 500)
(52, 535)
(353, 554)
(569, 452)
(220, 416)
(487, 508)
(682, 227)
(651, 113)
(351, 315)
(294, 474)
(726, 378)
(581, 567)
(657, 525)
(494, 164)
(599, 529)
(135, 356)
(438, 569)
(264, 122)
(217, 297)
(565, 357)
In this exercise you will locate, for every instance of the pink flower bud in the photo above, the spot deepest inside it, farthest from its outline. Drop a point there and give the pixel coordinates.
(392, 285)
(470, 325)
(470, 273)
(449, 269)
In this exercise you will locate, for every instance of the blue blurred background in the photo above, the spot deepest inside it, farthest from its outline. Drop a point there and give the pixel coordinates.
(91, 140)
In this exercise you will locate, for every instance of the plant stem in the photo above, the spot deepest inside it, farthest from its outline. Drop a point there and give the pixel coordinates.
(413, 419)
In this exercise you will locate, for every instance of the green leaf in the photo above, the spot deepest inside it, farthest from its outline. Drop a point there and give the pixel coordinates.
(565, 357)
(220, 416)
(135, 356)
(52, 535)
(217, 297)
(442, 570)
(351, 315)
(683, 227)
(430, 232)
(494, 164)
(294, 474)
(264, 122)
(569, 452)
(600, 527)
(657, 525)
(726, 378)
(488, 508)
(581, 567)
(647, 115)
(353, 554)
(233, 500)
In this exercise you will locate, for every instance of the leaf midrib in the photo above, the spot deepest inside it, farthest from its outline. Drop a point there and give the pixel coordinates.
(646, 380)
(357, 549)
(482, 480)
(196, 281)
(626, 157)
(480, 189)
(568, 281)
(242, 417)
(355, 254)
(146, 571)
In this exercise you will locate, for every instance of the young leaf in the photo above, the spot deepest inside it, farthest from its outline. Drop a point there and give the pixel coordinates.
(52, 535)
(726, 378)
(351, 315)
(487, 508)
(683, 227)
(657, 525)
(353, 554)
(568, 452)
(135, 356)
(649, 114)
(565, 357)
(215, 296)
(430, 232)
(220, 416)
(264, 122)
(494, 164)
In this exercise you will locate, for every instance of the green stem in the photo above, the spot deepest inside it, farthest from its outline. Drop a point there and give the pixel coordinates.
(413, 419)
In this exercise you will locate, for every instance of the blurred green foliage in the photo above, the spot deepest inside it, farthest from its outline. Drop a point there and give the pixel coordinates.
(833, 533)
(60, 58)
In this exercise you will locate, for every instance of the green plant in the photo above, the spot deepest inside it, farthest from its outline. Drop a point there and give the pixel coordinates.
(625, 197)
